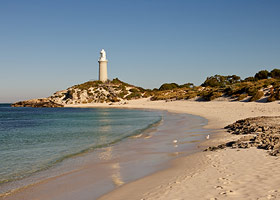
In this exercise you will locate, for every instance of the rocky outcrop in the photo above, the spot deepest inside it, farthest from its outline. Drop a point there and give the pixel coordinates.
(261, 132)
(88, 92)
(37, 103)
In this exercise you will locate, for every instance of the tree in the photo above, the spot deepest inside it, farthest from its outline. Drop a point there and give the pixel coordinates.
(168, 86)
(249, 79)
(233, 79)
(213, 81)
(220, 81)
(275, 74)
(263, 74)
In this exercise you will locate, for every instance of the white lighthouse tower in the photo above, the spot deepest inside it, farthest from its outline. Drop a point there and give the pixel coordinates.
(103, 66)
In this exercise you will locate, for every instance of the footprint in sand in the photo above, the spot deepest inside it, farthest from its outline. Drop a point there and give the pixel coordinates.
(227, 192)
(272, 191)
(219, 187)
(271, 196)
(223, 179)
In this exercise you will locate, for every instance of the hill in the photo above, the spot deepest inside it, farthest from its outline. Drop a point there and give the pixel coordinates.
(88, 92)
(264, 87)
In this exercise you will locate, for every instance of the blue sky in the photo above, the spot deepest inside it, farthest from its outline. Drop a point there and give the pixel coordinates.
(47, 46)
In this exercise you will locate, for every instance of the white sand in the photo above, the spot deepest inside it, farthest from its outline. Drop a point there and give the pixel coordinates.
(225, 174)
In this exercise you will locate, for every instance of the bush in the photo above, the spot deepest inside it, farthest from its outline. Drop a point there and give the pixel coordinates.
(135, 95)
(210, 95)
(133, 90)
(275, 95)
(249, 79)
(220, 81)
(271, 98)
(257, 96)
(187, 85)
(252, 91)
(87, 85)
(141, 89)
(213, 81)
(168, 86)
(122, 94)
(116, 81)
(275, 73)
(242, 96)
(263, 74)
(191, 94)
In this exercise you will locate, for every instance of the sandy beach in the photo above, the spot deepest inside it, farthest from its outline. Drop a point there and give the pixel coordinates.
(224, 174)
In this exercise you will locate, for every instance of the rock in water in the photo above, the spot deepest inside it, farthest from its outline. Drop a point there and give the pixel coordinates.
(37, 103)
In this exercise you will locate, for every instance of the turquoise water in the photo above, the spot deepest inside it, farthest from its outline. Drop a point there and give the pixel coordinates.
(34, 139)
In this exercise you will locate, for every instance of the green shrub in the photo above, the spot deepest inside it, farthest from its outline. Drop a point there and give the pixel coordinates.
(275, 73)
(133, 90)
(135, 95)
(168, 86)
(242, 96)
(122, 94)
(191, 94)
(263, 74)
(220, 81)
(252, 91)
(119, 82)
(257, 96)
(210, 95)
(187, 85)
(87, 85)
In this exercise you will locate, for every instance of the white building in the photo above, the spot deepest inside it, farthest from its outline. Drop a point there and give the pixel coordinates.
(103, 66)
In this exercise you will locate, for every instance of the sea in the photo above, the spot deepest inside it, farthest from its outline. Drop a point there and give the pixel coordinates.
(39, 140)
(34, 139)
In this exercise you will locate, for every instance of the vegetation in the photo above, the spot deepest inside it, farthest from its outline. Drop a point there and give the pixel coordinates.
(263, 74)
(171, 86)
(232, 86)
(275, 74)
(257, 96)
(220, 81)
(87, 85)
(263, 84)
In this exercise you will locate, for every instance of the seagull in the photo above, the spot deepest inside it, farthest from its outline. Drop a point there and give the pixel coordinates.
(207, 137)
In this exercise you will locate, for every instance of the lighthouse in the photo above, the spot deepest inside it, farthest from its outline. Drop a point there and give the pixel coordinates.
(103, 66)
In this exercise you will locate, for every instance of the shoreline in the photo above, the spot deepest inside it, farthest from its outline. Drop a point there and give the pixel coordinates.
(223, 174)
(155, 148)
(219, 174)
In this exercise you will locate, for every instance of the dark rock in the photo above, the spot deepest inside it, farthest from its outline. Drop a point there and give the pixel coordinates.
(261, 132)
(37, 103)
